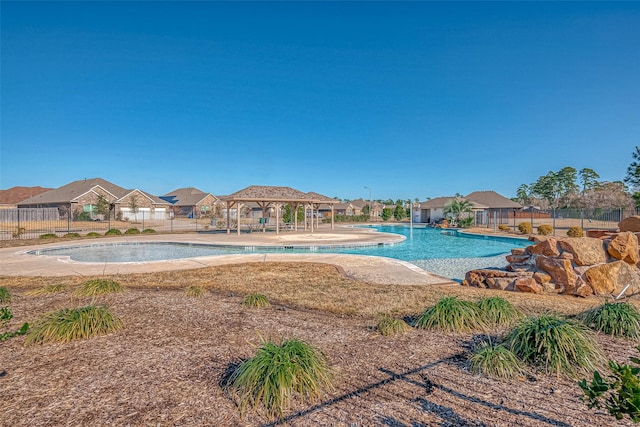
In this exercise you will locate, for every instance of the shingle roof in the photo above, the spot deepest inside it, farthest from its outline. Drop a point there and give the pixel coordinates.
(441, 202)
(436, 202)
(492, 200)
(185, 196)
(14, 195)
(263, 193)
(67, 193)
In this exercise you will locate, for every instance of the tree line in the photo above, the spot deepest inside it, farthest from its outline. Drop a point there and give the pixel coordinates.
(572, 188)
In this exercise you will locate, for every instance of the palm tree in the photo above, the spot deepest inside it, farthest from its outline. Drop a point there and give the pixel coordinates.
(460, 211)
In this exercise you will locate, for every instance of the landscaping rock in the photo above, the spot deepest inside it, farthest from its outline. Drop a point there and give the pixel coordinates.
(546, 247)
(585, 250)
(560, 270)
(624, 246)
(498, 282)
(630, 224)
(612, 277)
(528, 284)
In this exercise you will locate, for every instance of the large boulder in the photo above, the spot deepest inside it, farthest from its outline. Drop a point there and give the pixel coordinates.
(560, 270)
(546, 247)
(528, 284)
(624, 247)
(479, 277)
(630, 224)
(585, 250)
(612, 277)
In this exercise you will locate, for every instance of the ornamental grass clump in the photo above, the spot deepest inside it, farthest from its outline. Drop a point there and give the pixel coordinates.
(149, 231)
(113, 232)
(195, 291)
(498, 311)
(495, 360)
(278, 373)
(132, 231)
(72, 324)
(554, 345)
(256, 300)
(46, 290)
(388, 325)
(97, 287)
(5, 295)
(452, 315)
(613, 318)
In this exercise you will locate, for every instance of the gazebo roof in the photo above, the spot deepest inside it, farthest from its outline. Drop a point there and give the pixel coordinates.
(267, 193)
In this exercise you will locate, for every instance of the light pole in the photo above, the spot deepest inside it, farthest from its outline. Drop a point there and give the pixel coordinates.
(370, 203)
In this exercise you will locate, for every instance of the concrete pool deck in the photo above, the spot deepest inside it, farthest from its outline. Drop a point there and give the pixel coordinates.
(15, 261)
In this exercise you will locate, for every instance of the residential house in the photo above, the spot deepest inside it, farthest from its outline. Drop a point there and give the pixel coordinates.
(432, 211)
(486, 206)
(82, 196)
(191, 202)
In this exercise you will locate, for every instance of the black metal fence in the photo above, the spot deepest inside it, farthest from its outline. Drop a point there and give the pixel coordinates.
(559, 219)
(33, 223)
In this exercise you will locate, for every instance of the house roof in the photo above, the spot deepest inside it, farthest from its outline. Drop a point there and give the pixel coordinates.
(492, 200)
(441, 202)
(69, 192)
(14, 195)
(189, 196)
(436, 202)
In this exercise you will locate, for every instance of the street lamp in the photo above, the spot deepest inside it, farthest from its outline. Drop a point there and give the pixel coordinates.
(370, 203)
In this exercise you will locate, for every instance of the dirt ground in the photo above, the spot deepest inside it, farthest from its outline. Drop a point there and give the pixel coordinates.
(165, 368)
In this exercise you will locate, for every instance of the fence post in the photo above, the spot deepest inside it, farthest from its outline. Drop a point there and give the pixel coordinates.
(69, 219)
(582, 218)
(143, 220)
(18, 230)
(553, 215)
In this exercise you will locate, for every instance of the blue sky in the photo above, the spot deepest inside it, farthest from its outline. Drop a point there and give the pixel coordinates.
(407, 99)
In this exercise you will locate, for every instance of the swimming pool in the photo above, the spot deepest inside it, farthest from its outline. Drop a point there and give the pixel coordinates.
(444, 252)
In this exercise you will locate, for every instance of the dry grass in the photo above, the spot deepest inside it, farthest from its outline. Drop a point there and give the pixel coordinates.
(166, 365)
(315, 286)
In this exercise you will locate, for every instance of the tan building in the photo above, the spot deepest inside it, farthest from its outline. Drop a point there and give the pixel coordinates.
(191, 203)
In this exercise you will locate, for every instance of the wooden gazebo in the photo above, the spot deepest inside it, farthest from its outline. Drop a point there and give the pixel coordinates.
(267, 197)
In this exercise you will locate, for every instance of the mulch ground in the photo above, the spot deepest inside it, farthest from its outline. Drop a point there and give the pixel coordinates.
(166, 368)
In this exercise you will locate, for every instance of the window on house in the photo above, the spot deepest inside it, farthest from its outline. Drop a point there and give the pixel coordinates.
(89, 208)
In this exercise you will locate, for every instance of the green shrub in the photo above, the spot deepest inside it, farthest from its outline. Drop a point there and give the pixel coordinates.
(132, 231)
(83, 216)
(451, 314)
(195, 291)
(613, 318)
(279, 372)
(95, 287)
(621, 392)
(498, 311)
(495, 361)
(6, 335)
(148, 231)
(545, 229)
(113, 232)
(5, 295)
(575, 232)
(388, 325)
(525, 227)
(554, 345)
(49, 236)
(71, 324)
(256, 300)
(5, 315)
(94, 234)
(46, 290)
(72, 235)
(504, 227)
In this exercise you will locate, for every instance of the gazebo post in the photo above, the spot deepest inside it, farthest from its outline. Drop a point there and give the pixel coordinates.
(228, 217)
(238, 217)
(277, 218)
(311, 218)
(332, 215)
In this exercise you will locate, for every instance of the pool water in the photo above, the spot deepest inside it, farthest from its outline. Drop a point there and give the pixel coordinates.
(443, 252)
